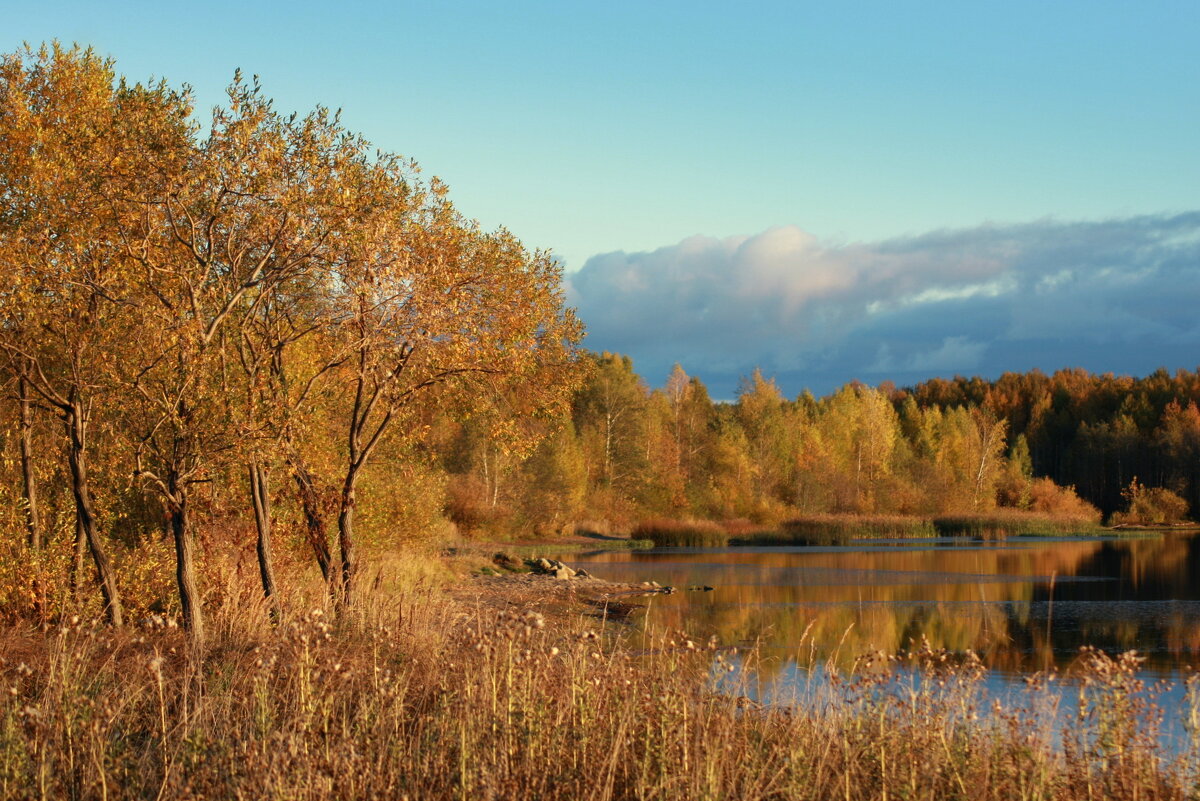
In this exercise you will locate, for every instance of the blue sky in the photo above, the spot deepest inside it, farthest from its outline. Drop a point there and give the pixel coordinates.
(831, 135)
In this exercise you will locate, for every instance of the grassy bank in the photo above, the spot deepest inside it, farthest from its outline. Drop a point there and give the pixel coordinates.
(421, 696)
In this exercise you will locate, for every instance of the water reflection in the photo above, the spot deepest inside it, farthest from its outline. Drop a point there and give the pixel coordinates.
(1025, 604)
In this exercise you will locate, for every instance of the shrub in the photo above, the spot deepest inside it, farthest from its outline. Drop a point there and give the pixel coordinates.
(1151, 506)
(1048, 498)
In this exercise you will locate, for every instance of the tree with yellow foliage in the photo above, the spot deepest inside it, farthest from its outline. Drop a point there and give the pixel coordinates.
(73, 142)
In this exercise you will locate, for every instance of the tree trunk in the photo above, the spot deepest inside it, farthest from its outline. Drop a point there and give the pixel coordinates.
(346, 537)
(314, 519)
(80, 556)
(608, 424)
(261, 498)
(32, 512)
(185, 563)
(85, 516)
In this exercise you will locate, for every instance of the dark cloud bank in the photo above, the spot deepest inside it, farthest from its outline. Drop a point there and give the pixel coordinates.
(1118, 295)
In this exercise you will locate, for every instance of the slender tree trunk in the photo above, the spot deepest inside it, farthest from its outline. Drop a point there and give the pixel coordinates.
(487, 474)
(346, 536)
(261, 498)
(986, 440)
(32, 512)
(80, 557)
(858, 476)
(85, 516)
(185, 561)
(314, 519)
(359, 447)
(608, 424)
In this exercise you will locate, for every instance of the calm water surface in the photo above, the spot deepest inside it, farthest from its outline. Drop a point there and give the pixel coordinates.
(1024, 604)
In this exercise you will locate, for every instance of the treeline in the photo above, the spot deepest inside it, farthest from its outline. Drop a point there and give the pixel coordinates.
(629, 452)
(198, 323)
(1095, 432)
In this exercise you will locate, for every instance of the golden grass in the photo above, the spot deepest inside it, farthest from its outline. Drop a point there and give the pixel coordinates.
(418, 695)
(665, 532)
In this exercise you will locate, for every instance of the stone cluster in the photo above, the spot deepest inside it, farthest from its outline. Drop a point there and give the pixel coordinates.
(553, 567)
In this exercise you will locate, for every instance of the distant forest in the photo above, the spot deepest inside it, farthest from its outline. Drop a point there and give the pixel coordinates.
(1094, 432)
(1047, 443)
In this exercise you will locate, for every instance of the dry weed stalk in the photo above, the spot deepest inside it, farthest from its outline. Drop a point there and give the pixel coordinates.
(426, 697)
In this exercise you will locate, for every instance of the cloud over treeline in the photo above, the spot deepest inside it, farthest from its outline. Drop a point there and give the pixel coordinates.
(1117, 295)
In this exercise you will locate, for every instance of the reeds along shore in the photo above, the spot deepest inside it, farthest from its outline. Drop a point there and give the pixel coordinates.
(421, 696)
(824, 529)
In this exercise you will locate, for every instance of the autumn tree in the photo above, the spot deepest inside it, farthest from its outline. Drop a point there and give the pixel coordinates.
(29, 484)
(554, 481)
(286, 349)
(431, 306)
(285, 361)
(678, 391)
(609, 413)
(763, 414)
(1015, 481)
(862, 429)
(731, 490)
(989, 442)
(1178, 438)
(246, 210)
(72, 142)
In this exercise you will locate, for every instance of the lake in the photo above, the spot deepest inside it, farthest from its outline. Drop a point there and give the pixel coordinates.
(1024, 604)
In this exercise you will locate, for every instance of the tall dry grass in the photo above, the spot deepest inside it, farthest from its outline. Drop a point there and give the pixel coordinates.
(668, 532)
(418, 695)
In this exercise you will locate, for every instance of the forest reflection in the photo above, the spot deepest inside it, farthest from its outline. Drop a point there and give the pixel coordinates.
(1026, 604)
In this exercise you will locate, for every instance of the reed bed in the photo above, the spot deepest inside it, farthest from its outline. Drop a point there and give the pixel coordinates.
(668, 532)
(420, 696)
(1011, 523)
(836, 529)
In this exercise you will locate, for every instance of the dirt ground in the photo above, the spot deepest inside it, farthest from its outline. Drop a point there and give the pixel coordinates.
(517, 589)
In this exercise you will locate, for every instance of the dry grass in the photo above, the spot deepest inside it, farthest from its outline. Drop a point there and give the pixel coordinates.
(665, 532)
(834, 529)
(420, 696)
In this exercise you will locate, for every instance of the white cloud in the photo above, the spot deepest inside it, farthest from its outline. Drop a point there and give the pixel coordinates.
(1117, 294)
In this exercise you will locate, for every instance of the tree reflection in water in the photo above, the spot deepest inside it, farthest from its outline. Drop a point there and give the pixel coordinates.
(1023, 605)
